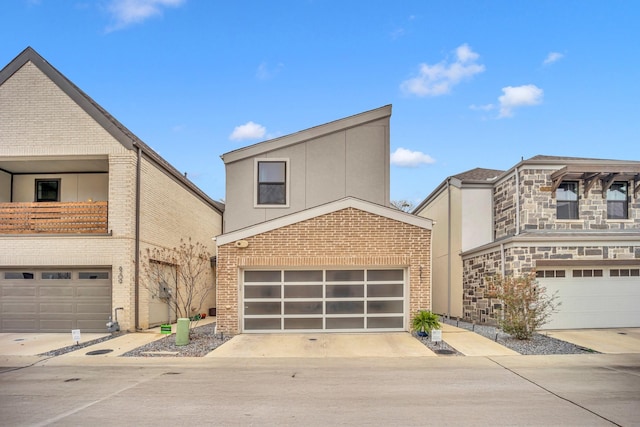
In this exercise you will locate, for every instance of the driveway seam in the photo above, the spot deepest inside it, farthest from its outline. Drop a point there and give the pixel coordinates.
(553, 393)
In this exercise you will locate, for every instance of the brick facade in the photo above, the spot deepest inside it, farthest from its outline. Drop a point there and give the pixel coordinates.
(345, 238)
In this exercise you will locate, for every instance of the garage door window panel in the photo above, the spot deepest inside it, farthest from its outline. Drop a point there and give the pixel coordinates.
(263, 308)
(385, 275)
(385, 322)
(56, 276)
(303, 276)
(385, 290)
(262, 291)
(345, 322)
(262, 324)
(262, 276)
(303, 307)
(377, 307)
(345, 291)
(11, 275)
(303, 323)
(303, 291)
(345, 275)
(345, 307)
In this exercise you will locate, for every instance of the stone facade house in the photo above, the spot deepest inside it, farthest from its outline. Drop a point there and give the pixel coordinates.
(310, 243)
(575, 221)
(81, 197)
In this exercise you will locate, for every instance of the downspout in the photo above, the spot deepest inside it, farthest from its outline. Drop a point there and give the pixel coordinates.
(449, 247)
(517, 202)
(137, 241)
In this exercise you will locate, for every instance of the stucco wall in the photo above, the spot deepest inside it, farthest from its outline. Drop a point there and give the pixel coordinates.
(348, 237)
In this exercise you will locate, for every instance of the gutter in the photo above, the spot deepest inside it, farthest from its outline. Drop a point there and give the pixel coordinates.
(517, 200)
(137, 241)
(448, 246)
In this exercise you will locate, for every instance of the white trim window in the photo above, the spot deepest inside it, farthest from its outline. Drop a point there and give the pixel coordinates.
(271, 183)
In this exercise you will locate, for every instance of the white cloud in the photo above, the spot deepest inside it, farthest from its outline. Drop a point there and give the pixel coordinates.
(248, 130)
(128, 12)
(410, 159)
(266, 72)
(519, 96)
(552, 57)
(438, 79)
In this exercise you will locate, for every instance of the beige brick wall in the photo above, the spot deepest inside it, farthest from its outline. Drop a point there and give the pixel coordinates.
(345, 238)
(170, 213)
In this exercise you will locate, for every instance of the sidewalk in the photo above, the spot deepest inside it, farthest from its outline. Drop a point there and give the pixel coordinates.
(471, 344)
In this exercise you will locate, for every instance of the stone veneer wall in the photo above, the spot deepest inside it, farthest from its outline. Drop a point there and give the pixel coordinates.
(478, 308)
(504, 208)
(345, 238)
(538, 206)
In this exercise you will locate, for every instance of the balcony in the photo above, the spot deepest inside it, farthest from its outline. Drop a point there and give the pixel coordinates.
(54, 218)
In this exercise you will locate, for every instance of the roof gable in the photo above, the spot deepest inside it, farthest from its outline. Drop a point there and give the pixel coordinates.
(119, 132)
(348, 202)
(307, 134)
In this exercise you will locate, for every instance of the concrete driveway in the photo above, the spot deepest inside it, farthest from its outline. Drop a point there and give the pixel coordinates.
(394, 344)
(610, 341)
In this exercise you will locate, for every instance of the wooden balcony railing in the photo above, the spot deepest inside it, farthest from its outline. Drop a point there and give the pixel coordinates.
(54, 218)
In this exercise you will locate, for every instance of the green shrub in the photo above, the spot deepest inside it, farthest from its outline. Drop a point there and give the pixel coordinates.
(525, 305)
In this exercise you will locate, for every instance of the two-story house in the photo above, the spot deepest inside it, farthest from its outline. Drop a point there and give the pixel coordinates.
(575, 221)
(81, 199)
(310, 243)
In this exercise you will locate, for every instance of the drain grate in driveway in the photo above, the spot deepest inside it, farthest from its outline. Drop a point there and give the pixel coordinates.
(98, 352)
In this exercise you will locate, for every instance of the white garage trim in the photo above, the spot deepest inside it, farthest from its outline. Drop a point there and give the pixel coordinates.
(323, 300)
(54, 299)
(593, 297)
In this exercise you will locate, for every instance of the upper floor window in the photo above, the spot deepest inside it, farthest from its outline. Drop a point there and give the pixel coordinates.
(272, 182)
(567, 200)
(47, 190)
(618, 201)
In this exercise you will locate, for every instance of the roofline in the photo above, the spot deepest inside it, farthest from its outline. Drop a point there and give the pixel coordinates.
(347, 202)
(307, 134)
(123, 135)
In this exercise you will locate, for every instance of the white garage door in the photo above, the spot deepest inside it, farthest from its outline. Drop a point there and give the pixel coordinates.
(607, 297)
(323, 300)
(54, 300)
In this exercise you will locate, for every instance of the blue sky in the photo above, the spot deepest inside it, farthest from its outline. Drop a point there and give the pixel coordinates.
(472, 83)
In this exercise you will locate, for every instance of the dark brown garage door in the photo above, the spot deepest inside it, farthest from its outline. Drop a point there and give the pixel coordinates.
(54, 300)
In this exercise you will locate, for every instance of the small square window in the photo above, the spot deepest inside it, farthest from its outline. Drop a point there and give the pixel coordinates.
(47, 190)
(577, 273)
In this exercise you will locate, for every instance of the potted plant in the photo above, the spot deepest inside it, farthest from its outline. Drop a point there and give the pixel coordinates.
(424, 322)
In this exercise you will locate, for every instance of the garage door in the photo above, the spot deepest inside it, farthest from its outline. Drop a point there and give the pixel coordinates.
(54, 300)
(594, 297)
(323, 300)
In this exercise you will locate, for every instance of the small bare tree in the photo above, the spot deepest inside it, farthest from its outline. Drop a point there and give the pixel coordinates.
(180, 275)
(525, 305)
